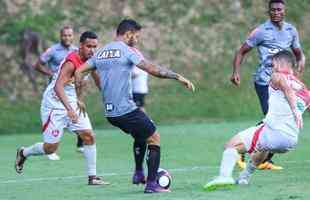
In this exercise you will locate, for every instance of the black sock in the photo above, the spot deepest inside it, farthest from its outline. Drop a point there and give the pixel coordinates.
(268, 159)
(79, 142)
(139, 149)
(153, 161)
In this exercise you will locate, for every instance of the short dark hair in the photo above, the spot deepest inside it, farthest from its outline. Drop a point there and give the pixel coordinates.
(128, 25)
(275, 1)
(86, 35)
(64, 28)
(285, 55)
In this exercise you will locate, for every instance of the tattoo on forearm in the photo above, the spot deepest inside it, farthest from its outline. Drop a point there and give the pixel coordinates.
(166, 73)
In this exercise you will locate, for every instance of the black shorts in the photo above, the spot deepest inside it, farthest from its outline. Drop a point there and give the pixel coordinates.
(138, 98)
(135, 123)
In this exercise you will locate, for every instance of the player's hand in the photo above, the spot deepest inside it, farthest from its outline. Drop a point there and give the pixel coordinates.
(81, 107)
(188, 84)
(72, 115)
(235, 78)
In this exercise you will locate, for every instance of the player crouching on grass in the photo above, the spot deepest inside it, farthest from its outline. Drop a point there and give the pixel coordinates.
(289, 98)
(59, 110)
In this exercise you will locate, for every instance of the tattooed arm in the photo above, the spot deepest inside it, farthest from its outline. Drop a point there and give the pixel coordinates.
(162, 72)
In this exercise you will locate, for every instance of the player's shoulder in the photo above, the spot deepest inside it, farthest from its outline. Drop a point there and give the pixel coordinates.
(57, 46)
(257, 29)
(72, 55)
(74, 58)
(136, 51)
(289, 27)
(267, 26)
(52, 48)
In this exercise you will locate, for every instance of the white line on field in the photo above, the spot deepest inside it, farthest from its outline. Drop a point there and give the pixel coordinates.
(104, 175)
(194, 168)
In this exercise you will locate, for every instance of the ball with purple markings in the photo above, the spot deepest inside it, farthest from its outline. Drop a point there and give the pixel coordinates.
(163, 178)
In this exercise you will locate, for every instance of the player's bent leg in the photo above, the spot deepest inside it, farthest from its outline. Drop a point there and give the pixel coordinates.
(90, 154)
(50, 151)
(53, 156)
(153, 162)
(230, 156)
(241, 150)
(256, 159)
(79, 144)
(139, 149)
(50, 148)
(35, 150)
(229, 159)
(268, 164)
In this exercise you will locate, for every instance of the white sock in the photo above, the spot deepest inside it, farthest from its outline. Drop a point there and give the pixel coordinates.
(230, 157)
(90, 154)
(248, 171)
(34, 150)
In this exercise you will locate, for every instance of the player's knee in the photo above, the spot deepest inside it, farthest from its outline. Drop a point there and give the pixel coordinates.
(50, 148)
(88, 138)
(153, 139)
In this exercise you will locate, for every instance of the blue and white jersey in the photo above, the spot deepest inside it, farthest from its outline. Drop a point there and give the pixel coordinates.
(55, 54)
(114, 64)
(269, 40)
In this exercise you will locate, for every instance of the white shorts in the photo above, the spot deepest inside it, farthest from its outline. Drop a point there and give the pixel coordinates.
(55, 120)
(263, 138)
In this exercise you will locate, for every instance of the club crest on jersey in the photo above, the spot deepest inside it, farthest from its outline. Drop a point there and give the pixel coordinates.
(274, 50)
(109, 107)
(111, 53)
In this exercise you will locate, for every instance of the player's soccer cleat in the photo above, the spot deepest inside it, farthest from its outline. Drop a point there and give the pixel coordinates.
(241, 164)
(96, 180)
(269, 166)
(242, 181)
(138, 178)
(53, 156)
(80, 149)
(153, 187)
(244, 177)
(219, 183)
(20, 160)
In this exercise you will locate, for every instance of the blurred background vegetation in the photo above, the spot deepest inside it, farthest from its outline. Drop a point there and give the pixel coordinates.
(197, 38)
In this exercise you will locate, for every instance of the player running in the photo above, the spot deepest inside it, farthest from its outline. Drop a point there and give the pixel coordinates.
(49, 62)
(59, 110)
(114, 63)
(278, 133)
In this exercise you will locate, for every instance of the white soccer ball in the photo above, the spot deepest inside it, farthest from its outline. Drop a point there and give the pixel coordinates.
(163, 178)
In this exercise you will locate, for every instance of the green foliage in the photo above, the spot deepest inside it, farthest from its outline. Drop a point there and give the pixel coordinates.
(196, 38)
(43, 22)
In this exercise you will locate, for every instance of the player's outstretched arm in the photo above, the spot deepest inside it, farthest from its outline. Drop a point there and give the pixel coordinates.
(64, 77)
(162, 72)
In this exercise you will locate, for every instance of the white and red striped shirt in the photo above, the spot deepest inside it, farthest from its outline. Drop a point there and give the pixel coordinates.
(280, 116)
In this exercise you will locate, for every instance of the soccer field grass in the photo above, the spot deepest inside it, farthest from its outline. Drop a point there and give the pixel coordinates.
(191, 152)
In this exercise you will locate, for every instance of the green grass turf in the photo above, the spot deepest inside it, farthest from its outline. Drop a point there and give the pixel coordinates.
(191, 152)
